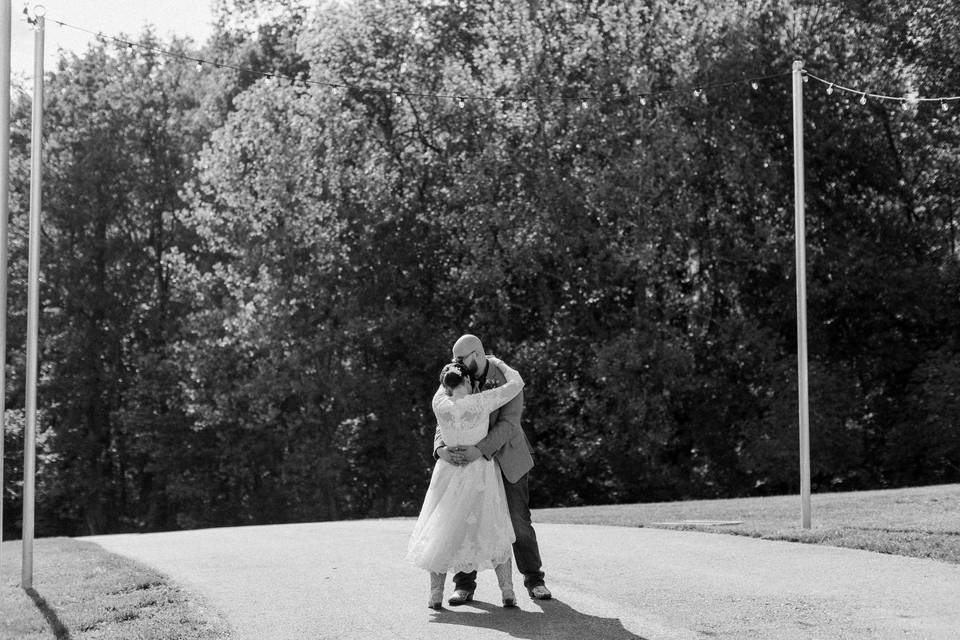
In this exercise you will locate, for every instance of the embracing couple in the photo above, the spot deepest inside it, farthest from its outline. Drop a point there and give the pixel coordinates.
(476, 513)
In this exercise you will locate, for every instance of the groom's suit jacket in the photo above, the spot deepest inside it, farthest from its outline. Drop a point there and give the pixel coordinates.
(505, 441)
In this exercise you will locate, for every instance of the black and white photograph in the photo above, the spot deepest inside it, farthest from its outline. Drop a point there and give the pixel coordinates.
(490, 320)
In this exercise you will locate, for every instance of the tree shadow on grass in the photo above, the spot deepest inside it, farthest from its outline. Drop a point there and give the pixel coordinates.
(557, 621)
(58, 628)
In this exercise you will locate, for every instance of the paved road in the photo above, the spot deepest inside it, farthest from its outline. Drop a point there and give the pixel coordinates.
(348, 580)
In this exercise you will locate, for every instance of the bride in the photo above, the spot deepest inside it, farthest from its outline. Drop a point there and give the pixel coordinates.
(464, 524)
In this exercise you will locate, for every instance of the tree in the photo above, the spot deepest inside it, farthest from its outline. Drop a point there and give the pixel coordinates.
(258, 278)
(119, 140)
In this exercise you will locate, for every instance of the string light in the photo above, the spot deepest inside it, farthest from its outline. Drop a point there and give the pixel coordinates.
(338, 88)
(906, 101)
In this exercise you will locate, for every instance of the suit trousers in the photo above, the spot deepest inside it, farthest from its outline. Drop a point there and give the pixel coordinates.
(526, 552)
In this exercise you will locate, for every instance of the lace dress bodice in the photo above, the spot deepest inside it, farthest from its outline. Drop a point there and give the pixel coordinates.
(465, 421)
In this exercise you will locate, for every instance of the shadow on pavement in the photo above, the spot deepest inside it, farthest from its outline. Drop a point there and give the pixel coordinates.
(60, 632)
(558, 621)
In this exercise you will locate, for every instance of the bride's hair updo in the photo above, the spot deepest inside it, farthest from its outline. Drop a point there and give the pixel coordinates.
(452, 375)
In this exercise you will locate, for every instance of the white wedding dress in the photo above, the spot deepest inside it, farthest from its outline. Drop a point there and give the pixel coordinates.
(464, 524)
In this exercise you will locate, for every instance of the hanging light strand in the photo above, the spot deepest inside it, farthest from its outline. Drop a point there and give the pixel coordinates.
(864, 95)
(582, 100)
(200, 62)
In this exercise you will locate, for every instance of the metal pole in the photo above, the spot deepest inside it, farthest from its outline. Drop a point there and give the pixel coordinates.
(800, 235)
(6, 11)
(33, 309)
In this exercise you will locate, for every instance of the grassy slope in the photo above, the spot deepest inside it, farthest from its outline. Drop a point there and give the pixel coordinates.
(922, 522)
(82, 592)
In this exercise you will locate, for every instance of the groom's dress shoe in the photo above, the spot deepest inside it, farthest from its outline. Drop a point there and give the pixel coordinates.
(540, 592)
(460, 596)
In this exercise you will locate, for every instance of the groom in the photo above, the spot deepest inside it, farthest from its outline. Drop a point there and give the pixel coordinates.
(507, 444)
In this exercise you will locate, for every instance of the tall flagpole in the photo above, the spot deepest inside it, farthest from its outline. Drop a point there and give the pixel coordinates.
(6, 12)
(800, 238)
(33, 308)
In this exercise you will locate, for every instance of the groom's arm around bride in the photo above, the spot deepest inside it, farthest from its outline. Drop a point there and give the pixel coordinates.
(505, 441)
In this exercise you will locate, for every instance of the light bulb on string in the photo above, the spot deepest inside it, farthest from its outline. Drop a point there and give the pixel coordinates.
(199, 65)
(583, 105)
(643, 101)
(863, 99)
(461, 103)
(33, 17)
(943, 105)
(754, 85)
(696, 93)
(830, 89)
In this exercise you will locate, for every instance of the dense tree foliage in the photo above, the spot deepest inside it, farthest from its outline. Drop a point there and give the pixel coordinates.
(251, 283)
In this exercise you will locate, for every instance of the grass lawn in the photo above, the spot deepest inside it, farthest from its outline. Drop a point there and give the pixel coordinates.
(922, 522)
(82, 592)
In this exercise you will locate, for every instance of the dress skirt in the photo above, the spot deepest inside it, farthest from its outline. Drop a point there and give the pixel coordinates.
(464, 524)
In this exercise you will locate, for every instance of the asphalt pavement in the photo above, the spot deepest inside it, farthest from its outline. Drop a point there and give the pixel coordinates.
(349, 581)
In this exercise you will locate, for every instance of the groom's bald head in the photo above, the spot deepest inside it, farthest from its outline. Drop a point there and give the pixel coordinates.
(468, 350)
(465, 344)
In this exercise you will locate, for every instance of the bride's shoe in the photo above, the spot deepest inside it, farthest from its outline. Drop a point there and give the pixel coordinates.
(436, 590)
(505, 578)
